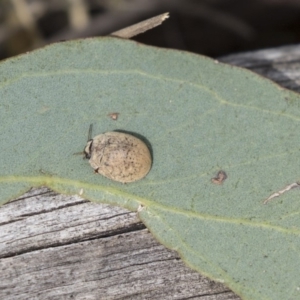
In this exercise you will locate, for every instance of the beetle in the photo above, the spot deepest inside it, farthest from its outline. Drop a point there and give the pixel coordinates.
(118, 156)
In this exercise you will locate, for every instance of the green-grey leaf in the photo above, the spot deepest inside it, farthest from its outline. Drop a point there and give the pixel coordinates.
(200, 117)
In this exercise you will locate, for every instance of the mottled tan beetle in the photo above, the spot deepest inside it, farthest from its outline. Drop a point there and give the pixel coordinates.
(118, 156)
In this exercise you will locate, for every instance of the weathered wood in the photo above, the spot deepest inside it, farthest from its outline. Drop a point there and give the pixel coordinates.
(282, 65)
(62, 247)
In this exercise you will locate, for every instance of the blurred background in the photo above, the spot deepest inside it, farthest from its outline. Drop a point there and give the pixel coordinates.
(209, 27)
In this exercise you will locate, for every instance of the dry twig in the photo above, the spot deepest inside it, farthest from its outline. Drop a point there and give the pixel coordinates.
(140, 27)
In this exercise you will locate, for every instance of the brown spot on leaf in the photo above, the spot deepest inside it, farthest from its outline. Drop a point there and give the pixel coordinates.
(220, 178)
(114, 116)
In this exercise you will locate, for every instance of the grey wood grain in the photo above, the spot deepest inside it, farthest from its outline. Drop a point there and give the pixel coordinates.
(64, 247)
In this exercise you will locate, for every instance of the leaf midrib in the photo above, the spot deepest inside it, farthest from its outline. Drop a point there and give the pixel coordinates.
(46, 180)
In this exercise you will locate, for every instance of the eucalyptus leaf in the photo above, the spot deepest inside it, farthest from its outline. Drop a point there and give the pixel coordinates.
(200, 117)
